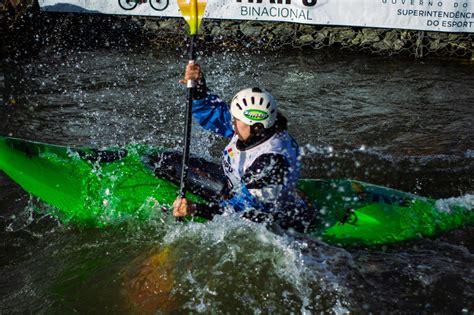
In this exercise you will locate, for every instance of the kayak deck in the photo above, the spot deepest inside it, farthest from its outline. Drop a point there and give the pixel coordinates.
(82, 188)
(104, 187)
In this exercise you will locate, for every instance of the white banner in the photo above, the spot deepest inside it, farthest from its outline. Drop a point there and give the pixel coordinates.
(429, 15)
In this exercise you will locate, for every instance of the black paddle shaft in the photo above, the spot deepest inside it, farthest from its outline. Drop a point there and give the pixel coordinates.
(187, 129)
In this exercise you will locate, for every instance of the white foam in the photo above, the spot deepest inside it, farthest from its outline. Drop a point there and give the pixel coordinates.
(247, 248)
(446, 205)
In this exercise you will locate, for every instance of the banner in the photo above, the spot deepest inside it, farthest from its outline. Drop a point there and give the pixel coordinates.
(428, 15)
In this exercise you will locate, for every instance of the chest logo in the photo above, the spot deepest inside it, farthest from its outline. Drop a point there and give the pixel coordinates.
(256, 114)
(230, 152)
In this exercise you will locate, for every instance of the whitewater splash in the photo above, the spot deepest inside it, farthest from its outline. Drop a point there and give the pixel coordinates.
(447, 205)
(231, 264)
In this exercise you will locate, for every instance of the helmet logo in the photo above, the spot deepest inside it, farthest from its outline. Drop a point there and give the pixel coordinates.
(256, 114)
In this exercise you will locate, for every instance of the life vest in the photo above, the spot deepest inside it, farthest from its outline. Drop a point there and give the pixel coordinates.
(236, 162)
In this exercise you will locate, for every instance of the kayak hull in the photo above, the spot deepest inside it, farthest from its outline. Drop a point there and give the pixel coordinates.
(105, 187)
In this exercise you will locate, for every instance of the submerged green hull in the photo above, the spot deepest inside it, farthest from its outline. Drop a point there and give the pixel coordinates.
(84, 188)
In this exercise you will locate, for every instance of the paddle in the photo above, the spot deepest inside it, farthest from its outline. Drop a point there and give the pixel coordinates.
(192, 11)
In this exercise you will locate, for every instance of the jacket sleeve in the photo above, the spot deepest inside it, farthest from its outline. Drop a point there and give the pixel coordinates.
(258, 193)
(213, 114)
(249, 207)
(242, 201)
(239, 202)
(261, 189)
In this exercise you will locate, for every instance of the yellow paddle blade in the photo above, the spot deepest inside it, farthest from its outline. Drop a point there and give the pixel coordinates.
(192, 11)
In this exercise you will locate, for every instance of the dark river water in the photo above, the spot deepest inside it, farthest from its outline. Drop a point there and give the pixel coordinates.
(402, 123)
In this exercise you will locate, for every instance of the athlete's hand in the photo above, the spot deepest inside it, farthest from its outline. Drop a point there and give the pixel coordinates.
(193, 72)
(182, 207)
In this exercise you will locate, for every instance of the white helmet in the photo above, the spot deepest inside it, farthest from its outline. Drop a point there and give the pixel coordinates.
(253, 106)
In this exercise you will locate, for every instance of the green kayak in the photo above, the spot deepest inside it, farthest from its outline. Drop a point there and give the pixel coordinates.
(99, 188)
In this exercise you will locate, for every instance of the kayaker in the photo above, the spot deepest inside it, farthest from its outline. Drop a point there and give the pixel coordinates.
(261, 162)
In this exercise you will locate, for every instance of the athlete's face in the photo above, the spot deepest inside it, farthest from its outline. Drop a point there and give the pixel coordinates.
(241, 129)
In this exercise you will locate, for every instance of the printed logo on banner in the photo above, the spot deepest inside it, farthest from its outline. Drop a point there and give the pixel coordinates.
(287, 9)
(158, 5)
